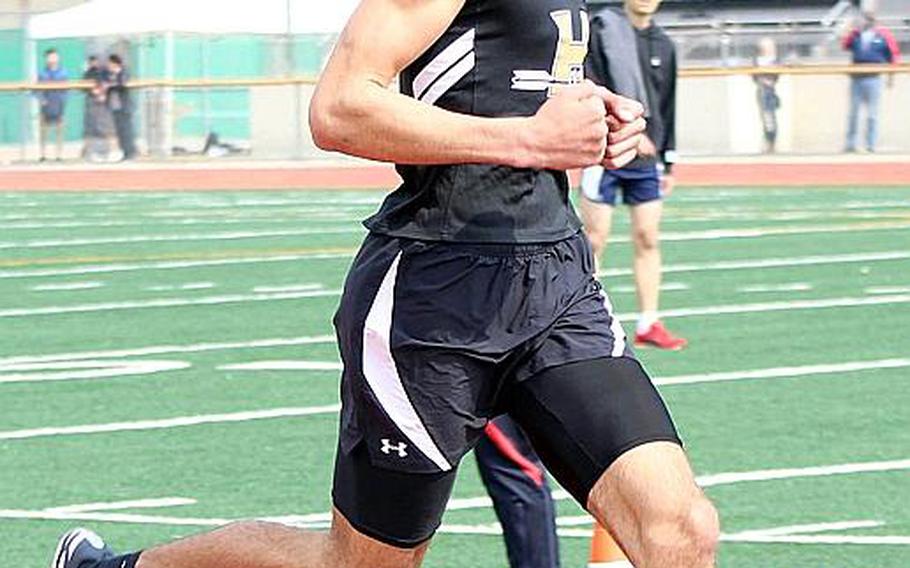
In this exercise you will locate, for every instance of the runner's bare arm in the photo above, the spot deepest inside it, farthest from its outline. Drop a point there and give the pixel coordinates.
(353, 110)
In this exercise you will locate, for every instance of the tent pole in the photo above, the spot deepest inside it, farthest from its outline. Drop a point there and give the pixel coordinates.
(26, 128)
(298, 94)
(167, 140)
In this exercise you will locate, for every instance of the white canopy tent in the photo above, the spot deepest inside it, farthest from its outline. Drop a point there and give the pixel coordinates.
(169, 18)
(98, 18)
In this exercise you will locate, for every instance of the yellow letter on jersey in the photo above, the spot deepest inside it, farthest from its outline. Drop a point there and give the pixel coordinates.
(569, 62)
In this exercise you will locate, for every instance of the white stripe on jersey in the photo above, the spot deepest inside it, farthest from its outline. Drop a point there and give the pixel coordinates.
(447, 81)
(442, 63)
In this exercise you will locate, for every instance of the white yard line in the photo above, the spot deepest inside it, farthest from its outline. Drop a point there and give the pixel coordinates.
(160, 503)
(173, 349)
(284, 366)
(164, 303)
(287, 288)
(711, 235)
(803, 472)
(776, 307)
(166, 265)
(794, 534)
(246, 298)
(167, 423)
(784, 372)
(179, 422)
(824, 539)
(884, 290)
(80, 370)
(66, 286)
(786, 287)
(664, 287)
(883, 256)
(812, 528)
(781, 262)
(185, 238)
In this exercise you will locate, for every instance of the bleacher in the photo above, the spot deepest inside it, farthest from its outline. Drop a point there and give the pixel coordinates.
(726, 32)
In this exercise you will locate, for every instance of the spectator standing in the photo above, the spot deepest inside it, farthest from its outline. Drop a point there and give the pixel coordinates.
(53, 102)
(868, 43)
(120, 104)
(768, 98)
(634, 57)
(98, 124)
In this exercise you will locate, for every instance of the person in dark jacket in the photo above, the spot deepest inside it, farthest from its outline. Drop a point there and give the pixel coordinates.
(631, 55)
(517, 482)
(868, 43)
(98, 124)
(53, 102)
(768, 99)
(120, 103)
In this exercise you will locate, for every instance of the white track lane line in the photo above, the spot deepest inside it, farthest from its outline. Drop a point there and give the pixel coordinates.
(185, 238)
(66, 286)
(781, 262)
(819, 304)
(711, 235)
(86, 369)
(167, 265)
(785, 287)
(284, 366)
(760, 374)
(168, 423)
(775, 307)
(173, 349)
(814, 260)
(159, 503)
(730, 478)
(164, 303)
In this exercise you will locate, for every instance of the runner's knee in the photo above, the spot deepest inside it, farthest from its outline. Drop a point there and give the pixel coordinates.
(688, 531)
(646, 239)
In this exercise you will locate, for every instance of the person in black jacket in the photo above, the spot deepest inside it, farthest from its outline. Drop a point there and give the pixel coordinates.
(120, 103)
(634, 57)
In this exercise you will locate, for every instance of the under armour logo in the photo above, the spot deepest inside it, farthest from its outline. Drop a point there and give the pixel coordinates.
(388, 448)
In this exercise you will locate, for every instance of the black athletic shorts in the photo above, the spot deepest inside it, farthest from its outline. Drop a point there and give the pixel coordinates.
(437, 338)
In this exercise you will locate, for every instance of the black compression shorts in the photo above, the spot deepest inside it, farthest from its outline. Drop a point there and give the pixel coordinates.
(437, 338)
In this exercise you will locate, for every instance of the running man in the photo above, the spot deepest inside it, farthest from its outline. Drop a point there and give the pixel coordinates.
(634, 57)
(472, 296)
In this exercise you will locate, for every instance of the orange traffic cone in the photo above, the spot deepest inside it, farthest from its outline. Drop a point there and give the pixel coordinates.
(605, 553)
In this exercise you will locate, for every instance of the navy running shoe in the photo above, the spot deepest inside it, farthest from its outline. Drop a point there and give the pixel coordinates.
(80, 548)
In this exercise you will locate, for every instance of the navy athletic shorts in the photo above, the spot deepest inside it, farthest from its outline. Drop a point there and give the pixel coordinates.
(438, 338)
(638, 185)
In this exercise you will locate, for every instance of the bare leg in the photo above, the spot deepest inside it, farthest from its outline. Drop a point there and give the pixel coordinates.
(266, 545)
(60, 139)
(646, 240)
(598, 220)
(45, 128)
(649, 501)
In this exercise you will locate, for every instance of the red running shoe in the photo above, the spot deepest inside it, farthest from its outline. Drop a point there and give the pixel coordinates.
(658, 336)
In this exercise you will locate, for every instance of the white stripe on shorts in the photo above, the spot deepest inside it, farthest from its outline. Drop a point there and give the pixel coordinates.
(590, 183)
(381, 372)
(619, 334)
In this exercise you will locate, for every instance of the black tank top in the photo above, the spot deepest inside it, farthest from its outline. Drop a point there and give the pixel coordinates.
(499, 58)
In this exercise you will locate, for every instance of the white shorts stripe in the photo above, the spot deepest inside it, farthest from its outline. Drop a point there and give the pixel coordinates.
(381, 372)
(590, 183)
(451, 55)
(619, 334)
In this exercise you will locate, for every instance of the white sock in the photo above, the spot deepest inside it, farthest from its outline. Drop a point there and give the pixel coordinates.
(645, 321)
